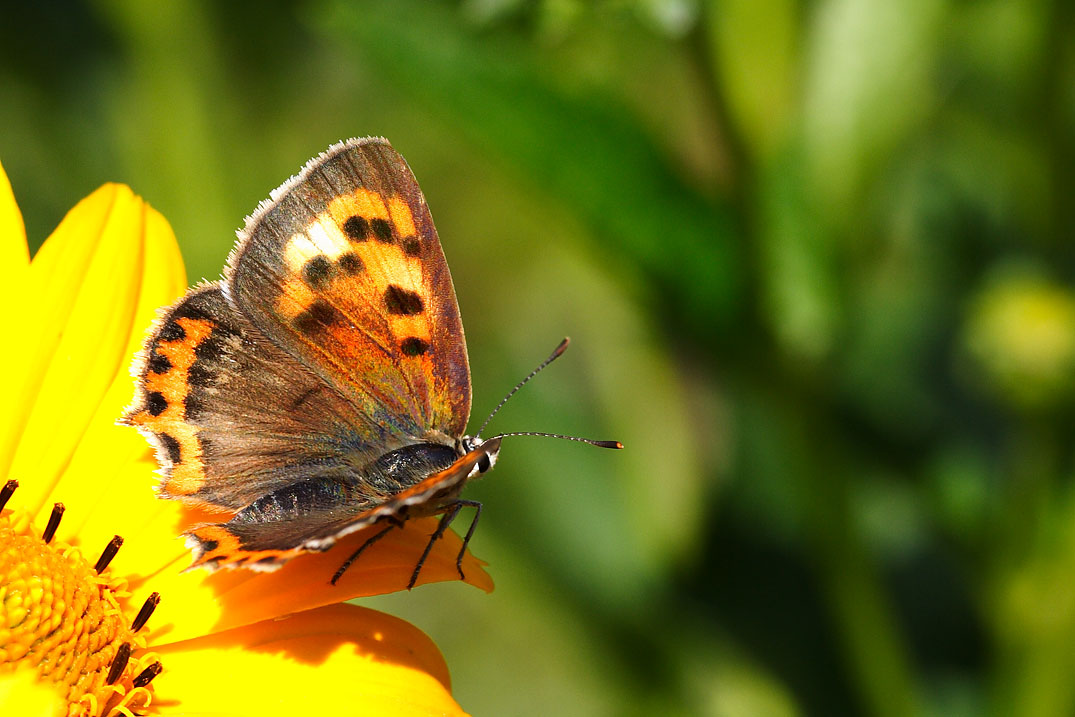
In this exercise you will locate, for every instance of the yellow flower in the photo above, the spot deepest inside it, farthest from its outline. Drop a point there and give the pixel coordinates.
(1021, 334)
(75, 638)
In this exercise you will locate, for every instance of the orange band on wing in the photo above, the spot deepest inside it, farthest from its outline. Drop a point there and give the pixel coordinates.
(401, 216)
(217, 547)
(164, 412)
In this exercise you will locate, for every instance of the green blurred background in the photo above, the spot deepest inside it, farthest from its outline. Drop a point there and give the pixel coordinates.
(816, 261)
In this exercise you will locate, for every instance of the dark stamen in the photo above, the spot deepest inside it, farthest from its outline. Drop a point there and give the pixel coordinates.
(147, 609)
(54, 522)
(119, 663)
(146, 676)
(6, 492)
(108, 553)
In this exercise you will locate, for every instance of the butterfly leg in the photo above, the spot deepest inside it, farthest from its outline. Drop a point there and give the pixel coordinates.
(354, 556)
(470, 533)
(449, 515)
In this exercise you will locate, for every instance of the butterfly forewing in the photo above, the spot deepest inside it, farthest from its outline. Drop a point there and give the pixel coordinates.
(343, 270)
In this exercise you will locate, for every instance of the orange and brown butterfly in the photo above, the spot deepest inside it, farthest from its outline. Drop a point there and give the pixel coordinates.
(322, 386)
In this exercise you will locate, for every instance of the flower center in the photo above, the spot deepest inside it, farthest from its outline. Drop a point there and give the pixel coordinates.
(67, 618)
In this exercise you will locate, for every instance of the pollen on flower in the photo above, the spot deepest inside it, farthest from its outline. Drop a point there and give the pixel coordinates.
(69, 621)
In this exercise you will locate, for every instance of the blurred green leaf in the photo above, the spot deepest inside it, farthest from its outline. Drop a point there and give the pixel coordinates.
(867, 87)
(799, 278)
(173, 105)
(754, 47)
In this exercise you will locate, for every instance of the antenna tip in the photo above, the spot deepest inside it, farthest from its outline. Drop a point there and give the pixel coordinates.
(608, 444)
(562, 347)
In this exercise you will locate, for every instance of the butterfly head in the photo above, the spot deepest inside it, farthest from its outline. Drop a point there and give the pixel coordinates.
(490, 449)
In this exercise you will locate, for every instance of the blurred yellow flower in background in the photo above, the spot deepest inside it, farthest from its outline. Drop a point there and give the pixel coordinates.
(1021, 333)
(82, 635)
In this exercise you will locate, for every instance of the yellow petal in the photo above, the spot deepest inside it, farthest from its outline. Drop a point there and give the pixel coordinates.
(196, 603)
(85, 280)
(95, 497)
(22, 693)
(339, 660)
(15, 258)
(14, 253)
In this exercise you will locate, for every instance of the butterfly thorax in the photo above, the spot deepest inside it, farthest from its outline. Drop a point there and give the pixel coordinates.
(404, 467)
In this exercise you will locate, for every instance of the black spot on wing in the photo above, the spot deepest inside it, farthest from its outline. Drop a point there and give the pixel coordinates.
(158, 363)
(412, 246)
(171, 446)
(382, 229)
(317, 272)
(356, 228)
(413, 346)
(350, 263)
(156, 403)
(402, 301)
(319, 316)
(172, 331)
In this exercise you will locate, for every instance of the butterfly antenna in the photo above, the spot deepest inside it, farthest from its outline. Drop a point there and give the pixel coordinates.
(552, 357)
(599, 444)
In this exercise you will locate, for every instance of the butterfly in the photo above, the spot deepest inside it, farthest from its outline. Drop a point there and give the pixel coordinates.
(323, 385)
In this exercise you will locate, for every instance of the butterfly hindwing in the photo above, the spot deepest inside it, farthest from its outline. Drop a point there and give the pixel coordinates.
(233, 416)
(343, 269)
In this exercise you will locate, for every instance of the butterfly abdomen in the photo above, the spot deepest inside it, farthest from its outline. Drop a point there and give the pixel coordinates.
(304, 498)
